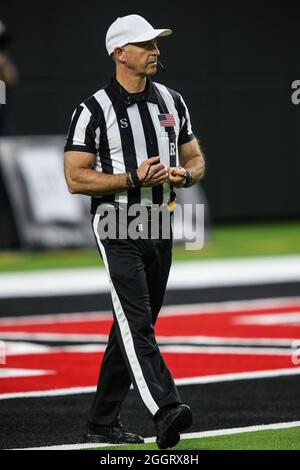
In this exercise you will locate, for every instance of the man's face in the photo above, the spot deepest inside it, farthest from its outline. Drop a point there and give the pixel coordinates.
(142, 57)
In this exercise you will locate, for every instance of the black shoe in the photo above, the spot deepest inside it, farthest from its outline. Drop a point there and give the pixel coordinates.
(169, 423)
(112, 434)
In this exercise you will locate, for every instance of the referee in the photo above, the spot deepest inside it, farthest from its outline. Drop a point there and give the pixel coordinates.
(131, 143)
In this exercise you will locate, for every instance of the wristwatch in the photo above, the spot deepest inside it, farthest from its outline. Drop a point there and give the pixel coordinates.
(188, 179)
(129, 180)
(133, 180)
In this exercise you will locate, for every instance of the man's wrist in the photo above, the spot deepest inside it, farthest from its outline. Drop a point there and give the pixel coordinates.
(129, 181)
(133, 180)
(136, 180)
(188, 178)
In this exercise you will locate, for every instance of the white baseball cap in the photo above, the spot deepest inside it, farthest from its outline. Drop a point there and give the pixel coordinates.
(131, 28)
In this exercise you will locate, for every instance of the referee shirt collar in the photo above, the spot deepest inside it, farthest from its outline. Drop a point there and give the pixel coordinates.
(128, 99)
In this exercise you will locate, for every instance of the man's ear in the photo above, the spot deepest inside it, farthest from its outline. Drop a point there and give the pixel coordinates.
(120, 54)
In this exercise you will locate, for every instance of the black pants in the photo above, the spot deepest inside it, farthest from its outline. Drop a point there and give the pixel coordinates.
(138, 271)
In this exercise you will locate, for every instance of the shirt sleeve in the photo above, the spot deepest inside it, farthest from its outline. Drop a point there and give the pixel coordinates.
(186, 133)
(82, 131)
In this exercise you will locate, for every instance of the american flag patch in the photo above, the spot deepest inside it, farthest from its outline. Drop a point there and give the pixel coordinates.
(166, 120)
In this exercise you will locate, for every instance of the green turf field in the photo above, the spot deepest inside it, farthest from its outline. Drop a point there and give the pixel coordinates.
(226, 241)
(273, 439)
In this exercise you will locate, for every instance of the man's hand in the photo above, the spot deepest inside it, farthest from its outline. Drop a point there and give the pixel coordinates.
(152, 173)
(176, 176)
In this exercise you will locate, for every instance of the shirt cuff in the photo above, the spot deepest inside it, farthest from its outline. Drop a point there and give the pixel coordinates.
(184, 139)
(79, 148)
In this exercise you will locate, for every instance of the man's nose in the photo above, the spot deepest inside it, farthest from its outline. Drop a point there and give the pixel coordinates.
(156, 51)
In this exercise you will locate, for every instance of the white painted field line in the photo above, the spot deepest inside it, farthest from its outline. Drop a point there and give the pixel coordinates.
(35, 336)
(19, 348)
(215, 340)
(53, 282)
(240, 271)
(76, 317)
(269, 319)
(49, 393)
(223, 432)
(229, 306)
(16, 348)
(183, 381)
(212, 341)
(264, 374)
(193, 435)
(14, 372)
(210, 273)
(238, 351)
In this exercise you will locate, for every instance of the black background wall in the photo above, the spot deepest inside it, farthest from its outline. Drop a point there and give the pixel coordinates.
(234, 63)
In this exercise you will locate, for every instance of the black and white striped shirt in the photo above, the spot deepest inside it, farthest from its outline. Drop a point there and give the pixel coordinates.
(122, 129)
